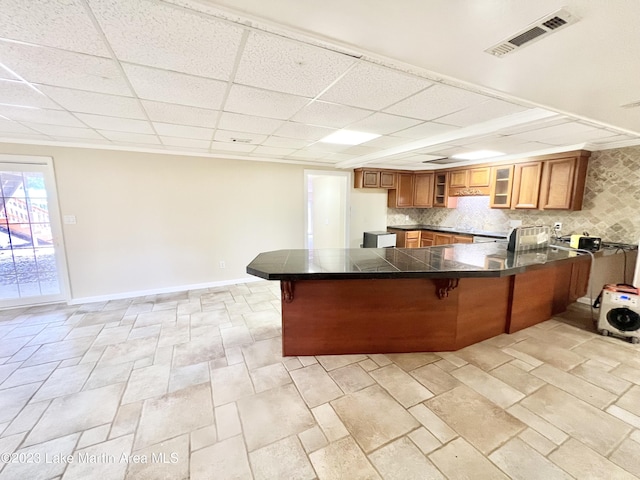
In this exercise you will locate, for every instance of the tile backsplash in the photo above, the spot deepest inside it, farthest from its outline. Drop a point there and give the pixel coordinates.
(611, 206)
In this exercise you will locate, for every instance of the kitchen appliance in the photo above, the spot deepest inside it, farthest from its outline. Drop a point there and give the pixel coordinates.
(585, 242)
(379, 239)
(482, 239)
(620, 312)
(529, 238)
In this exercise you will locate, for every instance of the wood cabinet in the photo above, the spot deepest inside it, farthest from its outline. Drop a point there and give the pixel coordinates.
(442, 238)
(458, 179)
(563, 181)
(374, 178)
(501, 184)
(426, 238)
(406, 238)
(470, 181)
(402, 195)
(440, 189)
(462, 239)
(423, 190)
(526, 185)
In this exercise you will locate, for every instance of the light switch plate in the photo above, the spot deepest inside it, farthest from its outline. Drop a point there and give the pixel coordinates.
(69, 219)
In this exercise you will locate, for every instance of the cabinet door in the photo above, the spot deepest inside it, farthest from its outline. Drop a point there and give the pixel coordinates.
(479, 177)
(426, 238)
(412, 243)
(423, 190)
(440, 189)
(402, 196)
(387, 180)
(442, 239)
(370, 178)
(462, 239)
(556, 191)
(458, 179)
(501, 184)
(526, 185)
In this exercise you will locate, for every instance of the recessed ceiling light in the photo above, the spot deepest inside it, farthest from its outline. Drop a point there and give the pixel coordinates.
(349, 137)
(477, 155)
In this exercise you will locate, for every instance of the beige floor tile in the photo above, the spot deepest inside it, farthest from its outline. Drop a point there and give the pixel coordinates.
(9, 444)
(273, 415)
(103, 375)
(624, 415)
(551, 354)
(411, 361)
(174, 414)
(183, 377)
(292, 363)
(401, 460)
(226, 460)
(227, 421)
(94, 435)
(172, 461)
(424, 440)
(341, 460)
(368, 365)
(63, 381)
(630, 401)
(142, 332)
(11, 346)
(7, 369)
(373, 417)
(603, 351)
(202, 348)
(520, 461)
(147, 382)
(25, 375)
(583, 462)
(579, 388)
(433, 423)
(329, 422)
(128, 351)
(458, 460)
(626, 372)
(112, 336)
(538, 424)
(204, 437)
(62, 350)
(127, 419)
(268, 377)
(41, 470)
(230, 383)
(626, 456)
(154, 318)
(402, 386)
(331, 362)
(306, 361)
(313, 439)
(488, 386)
(435, 379)
(537, 441)
(284, 459)
(108, 460)
(101, 318)
(459, 407)
(517, 378)
(263, 353)
(315, 385)
(487, 357)
(77, 412)
(50, 335)
(582, 421)
(451, 358)
(352, 377)
(236, 336)
(26, 419)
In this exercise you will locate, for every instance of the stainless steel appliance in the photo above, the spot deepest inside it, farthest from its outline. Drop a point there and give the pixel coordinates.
(379, 239)
(529, 238)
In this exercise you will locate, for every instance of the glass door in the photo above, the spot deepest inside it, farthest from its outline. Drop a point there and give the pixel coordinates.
(32, 266)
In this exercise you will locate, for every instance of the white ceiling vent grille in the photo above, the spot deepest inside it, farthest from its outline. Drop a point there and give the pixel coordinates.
(540, 29)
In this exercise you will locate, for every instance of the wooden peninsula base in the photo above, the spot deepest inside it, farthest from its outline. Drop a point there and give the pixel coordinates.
(380, 315)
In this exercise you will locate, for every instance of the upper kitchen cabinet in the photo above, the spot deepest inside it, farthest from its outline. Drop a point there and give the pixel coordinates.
(563, 181)
(501, 185)
(526, 185)
(402, 195)
(423, 190)
(440, 189)
(469, 181)
(374, 178)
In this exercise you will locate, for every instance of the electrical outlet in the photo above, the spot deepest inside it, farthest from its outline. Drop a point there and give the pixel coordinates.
(222, 264)
(557, 226)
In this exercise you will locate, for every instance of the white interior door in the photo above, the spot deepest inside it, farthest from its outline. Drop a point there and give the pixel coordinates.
(32, 265)
(327, 207)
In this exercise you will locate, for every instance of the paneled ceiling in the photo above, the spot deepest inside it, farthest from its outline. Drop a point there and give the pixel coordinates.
(267, 80)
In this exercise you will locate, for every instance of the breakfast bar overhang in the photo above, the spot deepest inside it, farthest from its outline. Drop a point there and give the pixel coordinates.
(342, 301)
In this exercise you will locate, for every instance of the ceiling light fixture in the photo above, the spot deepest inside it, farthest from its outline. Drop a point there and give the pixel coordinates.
(349, 137)
(478, 155)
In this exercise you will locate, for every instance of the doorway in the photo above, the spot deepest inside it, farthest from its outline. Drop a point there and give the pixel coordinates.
(327, 209)
(32, 264)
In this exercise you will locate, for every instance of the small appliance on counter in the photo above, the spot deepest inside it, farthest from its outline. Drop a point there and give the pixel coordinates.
(620, 312)
(529, 238)
(379, 240)
(585, 242)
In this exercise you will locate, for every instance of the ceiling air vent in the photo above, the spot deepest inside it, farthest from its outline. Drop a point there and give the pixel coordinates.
(542, 28)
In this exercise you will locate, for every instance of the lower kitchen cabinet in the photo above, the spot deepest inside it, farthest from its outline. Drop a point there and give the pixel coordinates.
(462, 239)
(426, 238)
(442, 239)
(406, 238)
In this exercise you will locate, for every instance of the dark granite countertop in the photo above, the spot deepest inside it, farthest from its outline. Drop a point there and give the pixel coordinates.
(460, 230)
(446, 261)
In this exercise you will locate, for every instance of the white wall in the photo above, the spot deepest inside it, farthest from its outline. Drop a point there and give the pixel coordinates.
(368, 213)
(329, 210)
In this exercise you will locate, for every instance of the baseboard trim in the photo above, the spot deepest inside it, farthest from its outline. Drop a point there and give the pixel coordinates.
(156, 291)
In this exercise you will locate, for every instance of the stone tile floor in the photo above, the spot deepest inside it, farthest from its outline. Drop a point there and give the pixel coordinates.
(193, 385)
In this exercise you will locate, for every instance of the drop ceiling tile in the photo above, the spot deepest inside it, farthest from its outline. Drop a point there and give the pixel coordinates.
(115, 123)
(231, 147)
(614, 139)
(482, 112)
(288, 66)
(425, 130)
(542, 134)
(60, 68)
(283, 142)
(38, 115)
(182, 114)
(383, 123)
(374, 87)
(386, 141)
(182, 131)
(359, 150)
(248, 123)
(435, 102)
(228, 136)
(309, 154)
(326, 148)
(61, 24)
(186, 143)
(272, 151)
(20, 94)
(536, 125)
(586, 136)
(68, 132)
(7, 126)
(338, 157)
(263, 103)
(133, 138)
(98, 103)
(329, 114)
(6, 74)
(172, 87)
(310, 133)
(164, 36)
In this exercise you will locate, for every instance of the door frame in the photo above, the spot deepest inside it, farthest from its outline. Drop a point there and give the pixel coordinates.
(347, 213)
(55, 221)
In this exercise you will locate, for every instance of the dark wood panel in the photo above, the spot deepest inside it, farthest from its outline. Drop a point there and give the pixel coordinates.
(533, 298)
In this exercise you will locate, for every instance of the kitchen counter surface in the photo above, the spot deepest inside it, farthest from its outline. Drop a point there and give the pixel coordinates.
(446, 261)
(462, 231)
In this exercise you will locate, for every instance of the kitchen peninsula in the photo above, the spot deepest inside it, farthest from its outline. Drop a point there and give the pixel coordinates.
(443, 298)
